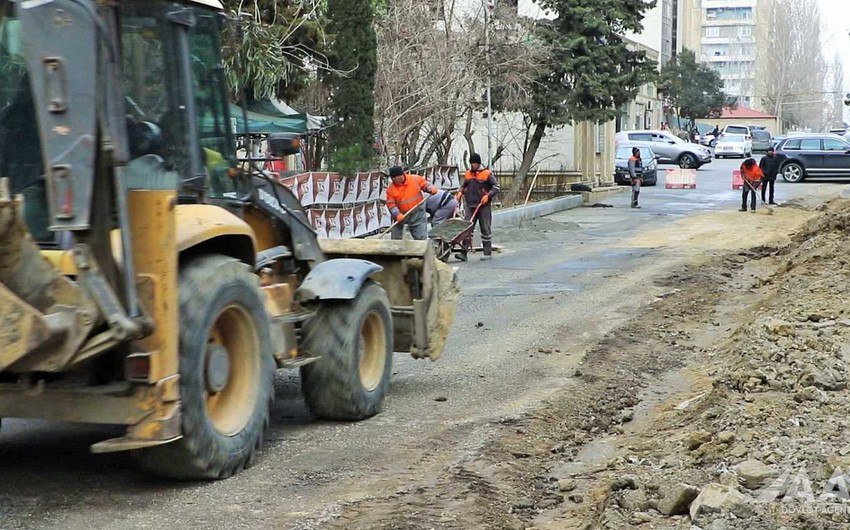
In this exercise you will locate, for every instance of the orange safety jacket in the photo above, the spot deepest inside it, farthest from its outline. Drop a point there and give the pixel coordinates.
(401, 198)
(752, 175)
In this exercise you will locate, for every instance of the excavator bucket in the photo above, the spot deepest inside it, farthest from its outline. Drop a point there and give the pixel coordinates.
(422, 290)
(44, 317)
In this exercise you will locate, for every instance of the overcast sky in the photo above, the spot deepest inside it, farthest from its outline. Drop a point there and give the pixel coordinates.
(836, 24)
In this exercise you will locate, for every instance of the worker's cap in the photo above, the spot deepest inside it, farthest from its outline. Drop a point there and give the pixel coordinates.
(474, 158)
(396, 171)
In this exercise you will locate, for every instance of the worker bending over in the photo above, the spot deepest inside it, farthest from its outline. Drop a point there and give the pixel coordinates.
(406, 203)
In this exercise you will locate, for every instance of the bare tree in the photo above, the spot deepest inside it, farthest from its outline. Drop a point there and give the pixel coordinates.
(794, 73)
(432, 71)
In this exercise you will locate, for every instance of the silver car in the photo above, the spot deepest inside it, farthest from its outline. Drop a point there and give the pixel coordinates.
(669, 148)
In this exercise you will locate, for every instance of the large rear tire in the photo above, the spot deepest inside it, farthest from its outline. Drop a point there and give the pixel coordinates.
(355, 341)
(226, 373)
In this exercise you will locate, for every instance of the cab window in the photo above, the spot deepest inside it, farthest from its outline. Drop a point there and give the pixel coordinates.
(640, 137)
(792, 145)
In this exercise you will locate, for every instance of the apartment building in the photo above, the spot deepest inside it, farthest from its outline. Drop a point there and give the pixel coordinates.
(732, 33)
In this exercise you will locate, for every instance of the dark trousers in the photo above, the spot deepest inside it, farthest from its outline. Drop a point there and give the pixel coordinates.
(748, 190)
(485, 222)
(765, 184)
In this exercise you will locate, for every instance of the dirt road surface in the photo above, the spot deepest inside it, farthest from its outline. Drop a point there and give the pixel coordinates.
(606, 356)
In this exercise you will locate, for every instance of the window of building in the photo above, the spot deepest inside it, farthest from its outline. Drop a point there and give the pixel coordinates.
(745, 31)
(712, 31)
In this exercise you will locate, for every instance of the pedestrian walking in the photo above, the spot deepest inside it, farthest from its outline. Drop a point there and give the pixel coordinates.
(405, 203)
(769, 165)
(635, 175)
(440, 207)
(478, 189)
(752, 176)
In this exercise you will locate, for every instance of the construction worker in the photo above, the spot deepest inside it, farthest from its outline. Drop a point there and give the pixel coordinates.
(635, 175)
(770, 167)
(405, 203)
(440, 207)
(752, 176)
(478, 189)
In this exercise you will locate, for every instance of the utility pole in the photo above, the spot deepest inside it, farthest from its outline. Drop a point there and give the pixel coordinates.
(488, 5)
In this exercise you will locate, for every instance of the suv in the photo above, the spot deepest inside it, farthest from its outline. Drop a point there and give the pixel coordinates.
(824, 155)
(746, 130)
(669, 148)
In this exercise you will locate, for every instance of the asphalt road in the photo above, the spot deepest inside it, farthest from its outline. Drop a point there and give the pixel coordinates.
(522, 324)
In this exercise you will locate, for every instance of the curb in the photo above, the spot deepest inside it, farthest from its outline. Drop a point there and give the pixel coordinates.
(510, 217)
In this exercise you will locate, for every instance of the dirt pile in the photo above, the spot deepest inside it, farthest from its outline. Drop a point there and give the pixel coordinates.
(767, 445)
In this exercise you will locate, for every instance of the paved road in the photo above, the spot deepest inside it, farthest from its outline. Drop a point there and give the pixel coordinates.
(546, 292)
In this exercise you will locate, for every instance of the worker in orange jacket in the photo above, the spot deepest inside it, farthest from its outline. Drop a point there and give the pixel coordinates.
(478, 189)
(406, 203)
(752, 176)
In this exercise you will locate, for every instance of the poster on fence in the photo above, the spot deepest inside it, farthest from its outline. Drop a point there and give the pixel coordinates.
(317, 219)
(346, 218)
(337, 195)
(334, 223)
(321, 188)
(361, 227)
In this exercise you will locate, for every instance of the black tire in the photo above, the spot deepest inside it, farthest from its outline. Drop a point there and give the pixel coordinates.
(333, 386)
(793, 172)
(688, 161)
(220, 304)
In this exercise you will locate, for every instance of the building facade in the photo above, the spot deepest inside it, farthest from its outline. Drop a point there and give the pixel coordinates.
(732, 34)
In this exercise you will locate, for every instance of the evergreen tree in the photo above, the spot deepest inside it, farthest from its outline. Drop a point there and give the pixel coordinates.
(353, 59)
(591, 71)
(692, 89)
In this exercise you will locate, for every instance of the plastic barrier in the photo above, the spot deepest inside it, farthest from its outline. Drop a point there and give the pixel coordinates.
(680, 179)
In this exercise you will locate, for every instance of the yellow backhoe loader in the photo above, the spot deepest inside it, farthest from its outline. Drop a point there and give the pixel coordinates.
(145, 279)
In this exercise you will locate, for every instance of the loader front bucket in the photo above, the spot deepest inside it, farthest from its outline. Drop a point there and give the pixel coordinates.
(422, 290)
(43, 316)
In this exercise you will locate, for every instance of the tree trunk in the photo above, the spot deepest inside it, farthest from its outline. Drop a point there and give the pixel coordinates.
(527, 159)
(467, 133)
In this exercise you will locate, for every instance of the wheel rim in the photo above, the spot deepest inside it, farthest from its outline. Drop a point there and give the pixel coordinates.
(373, 351)
(792, 173)
(686, 162)
(232, 345)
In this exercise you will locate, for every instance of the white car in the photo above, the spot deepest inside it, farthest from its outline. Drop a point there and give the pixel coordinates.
(733, 145)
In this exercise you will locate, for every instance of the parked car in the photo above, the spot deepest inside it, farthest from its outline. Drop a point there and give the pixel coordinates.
(669, 148)
(822, 155)
(762, 141)
(621, 164)
(733, 145)
(746, 130)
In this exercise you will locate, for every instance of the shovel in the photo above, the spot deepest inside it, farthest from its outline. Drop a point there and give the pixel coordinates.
(404, 216)
(765, 208)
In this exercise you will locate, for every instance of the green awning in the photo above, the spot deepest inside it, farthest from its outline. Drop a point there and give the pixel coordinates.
(266, 122)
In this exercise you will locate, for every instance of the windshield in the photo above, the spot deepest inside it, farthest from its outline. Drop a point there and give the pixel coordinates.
(626, 152)
(20, 144)
(761, 135)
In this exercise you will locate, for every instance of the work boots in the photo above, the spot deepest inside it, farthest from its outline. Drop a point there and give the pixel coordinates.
(488, 250)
